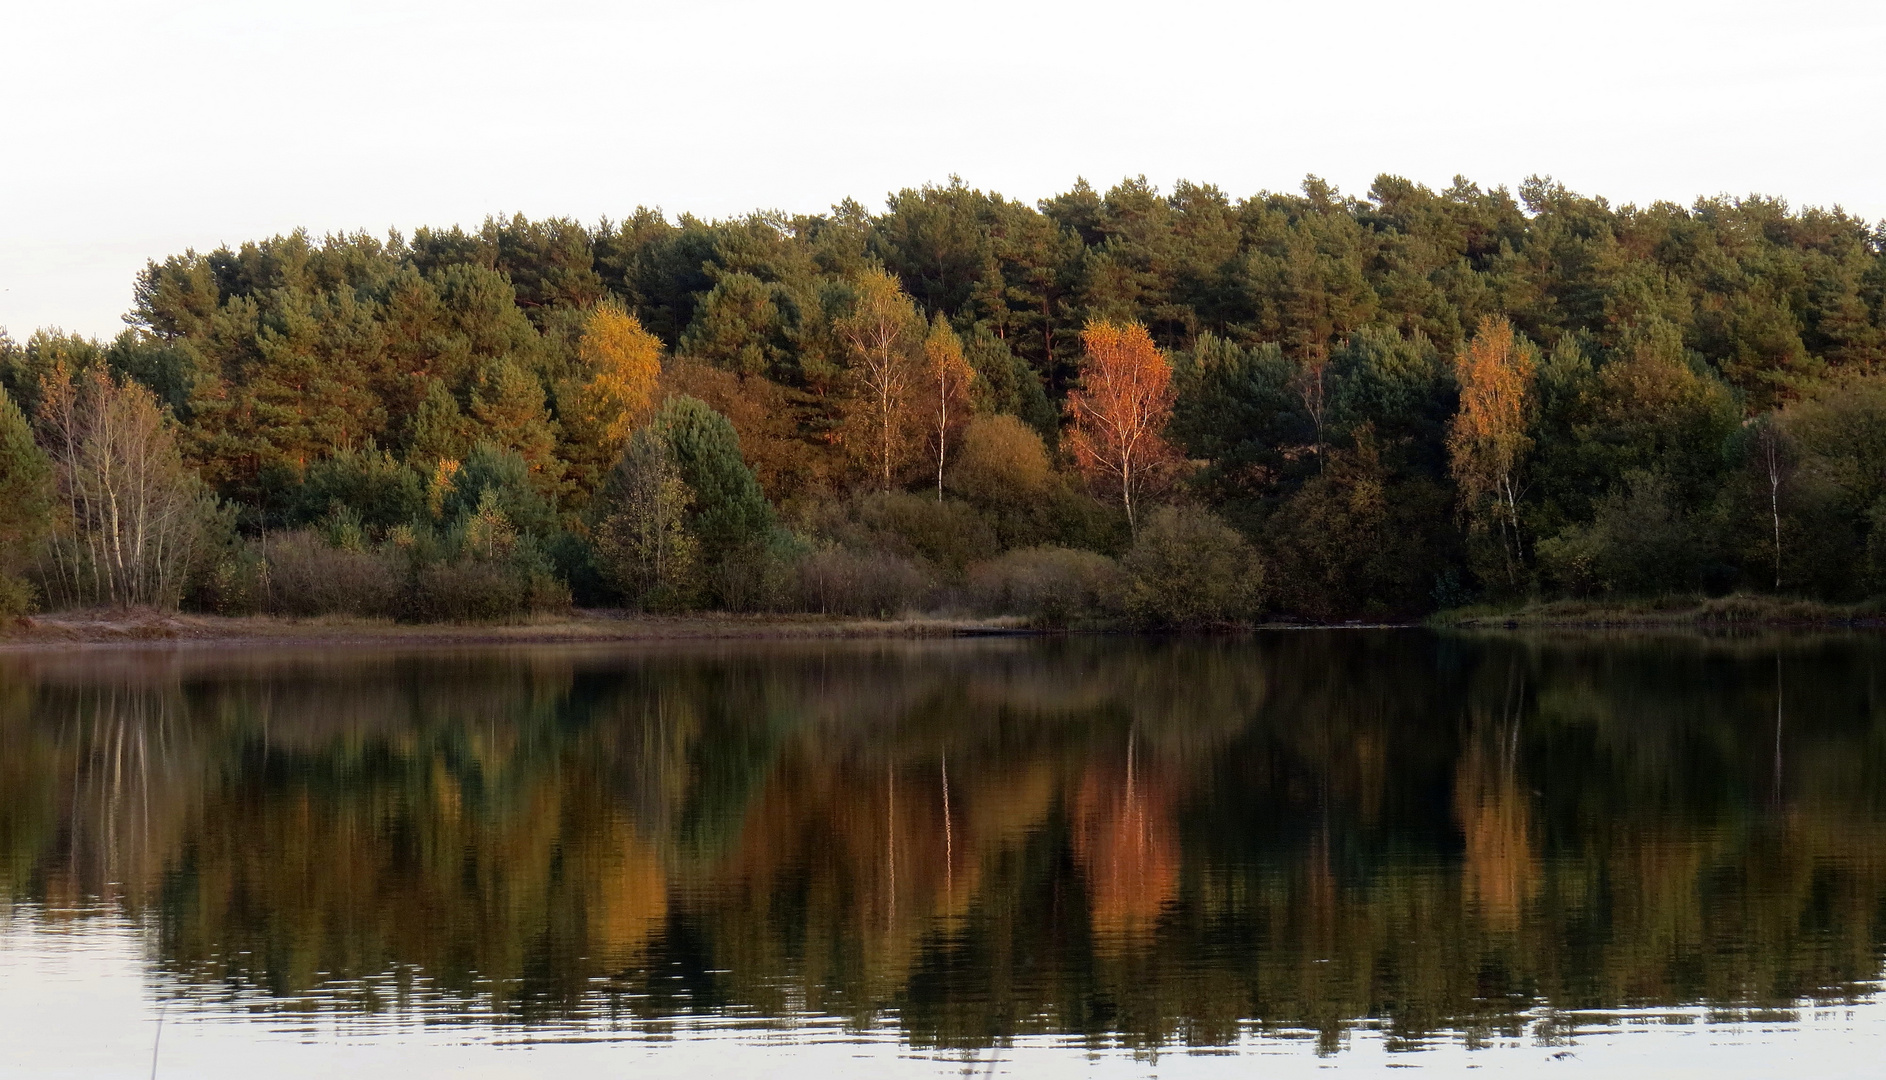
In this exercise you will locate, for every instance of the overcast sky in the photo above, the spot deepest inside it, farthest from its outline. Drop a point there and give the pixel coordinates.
(130, 131)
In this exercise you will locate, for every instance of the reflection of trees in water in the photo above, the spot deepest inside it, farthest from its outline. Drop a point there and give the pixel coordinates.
(1127, 846)
(1126, 839)
(1500, 863)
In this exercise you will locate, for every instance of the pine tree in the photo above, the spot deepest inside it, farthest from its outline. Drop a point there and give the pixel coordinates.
(26, 501)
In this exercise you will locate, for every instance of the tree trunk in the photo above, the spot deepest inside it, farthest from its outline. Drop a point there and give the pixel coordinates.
(1774, 503)
(942, 429)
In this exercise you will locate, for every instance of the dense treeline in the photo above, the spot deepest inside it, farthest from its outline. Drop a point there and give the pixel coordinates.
(1176, 407)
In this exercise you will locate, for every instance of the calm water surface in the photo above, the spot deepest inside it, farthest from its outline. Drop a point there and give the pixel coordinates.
(1091, 857)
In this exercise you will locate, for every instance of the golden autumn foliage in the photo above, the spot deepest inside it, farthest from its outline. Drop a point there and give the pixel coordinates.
(947, 378)
(609, 394)
(622, 363)
(884, 333)
(1487, 440)
(1501, 871)
(1118, 413)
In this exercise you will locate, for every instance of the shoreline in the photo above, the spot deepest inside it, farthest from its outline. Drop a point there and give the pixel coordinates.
(144, 627)
(1736, 612)
(120, 628)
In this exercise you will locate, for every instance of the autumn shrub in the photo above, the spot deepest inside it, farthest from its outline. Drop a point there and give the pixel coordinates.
(1002, 469)
(759, 575)
(948, 534)
(1188, 569)
(306, 575)
(475, 589)
(1052, 586)
(833, 580)
(234, 582)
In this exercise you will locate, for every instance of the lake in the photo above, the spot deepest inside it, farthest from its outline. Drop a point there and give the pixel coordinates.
(1090, 856)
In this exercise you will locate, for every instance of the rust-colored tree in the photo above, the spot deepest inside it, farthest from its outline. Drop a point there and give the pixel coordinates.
(885, 334)
(1487, 441)
(947, 377)
(1120, 409)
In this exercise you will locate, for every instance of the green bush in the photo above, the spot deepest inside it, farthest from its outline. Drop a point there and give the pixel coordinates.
(1639, 544)
(493, 477)
(379, 491)
(1190, 569)
(17, 597)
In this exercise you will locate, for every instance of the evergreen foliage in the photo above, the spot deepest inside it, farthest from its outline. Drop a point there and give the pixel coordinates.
(26, 500)
(1399, 399)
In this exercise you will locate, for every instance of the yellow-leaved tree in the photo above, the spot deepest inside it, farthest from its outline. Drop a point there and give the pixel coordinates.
(1487, 441)
(947, 377)
(885, 335)
(612, 392)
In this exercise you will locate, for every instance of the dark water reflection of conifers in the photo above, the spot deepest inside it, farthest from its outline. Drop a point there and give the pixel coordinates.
(1140, 842)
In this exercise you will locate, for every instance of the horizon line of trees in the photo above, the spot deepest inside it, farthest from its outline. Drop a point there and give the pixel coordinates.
(1176, 409)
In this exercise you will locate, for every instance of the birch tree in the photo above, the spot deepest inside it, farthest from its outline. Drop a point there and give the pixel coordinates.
(883, 332)
(1120, 409)
(947, 376)
(1487, 441)
(130, 514)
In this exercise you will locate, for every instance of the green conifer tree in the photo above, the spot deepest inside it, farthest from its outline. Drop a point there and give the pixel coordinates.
(26, 499)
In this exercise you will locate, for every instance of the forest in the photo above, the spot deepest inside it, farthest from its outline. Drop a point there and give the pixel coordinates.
(1119, 407)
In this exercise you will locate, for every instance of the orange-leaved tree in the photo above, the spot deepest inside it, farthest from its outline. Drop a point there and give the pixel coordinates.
(1120, 409)
(884, 332)
(1487, 441)
(947, 377)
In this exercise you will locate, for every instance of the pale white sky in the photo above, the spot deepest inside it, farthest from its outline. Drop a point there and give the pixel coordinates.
(133, 130)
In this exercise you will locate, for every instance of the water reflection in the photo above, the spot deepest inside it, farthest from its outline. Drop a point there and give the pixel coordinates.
(1123, 841)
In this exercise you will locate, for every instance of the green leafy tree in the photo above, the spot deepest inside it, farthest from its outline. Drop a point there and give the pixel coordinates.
(1188, 568)
(643, 542)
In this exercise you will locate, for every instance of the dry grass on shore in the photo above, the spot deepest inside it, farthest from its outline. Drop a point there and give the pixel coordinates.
(143, 625)
(1735, 611)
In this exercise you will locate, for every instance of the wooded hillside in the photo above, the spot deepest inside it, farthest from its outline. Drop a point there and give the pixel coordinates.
(1370, 406)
